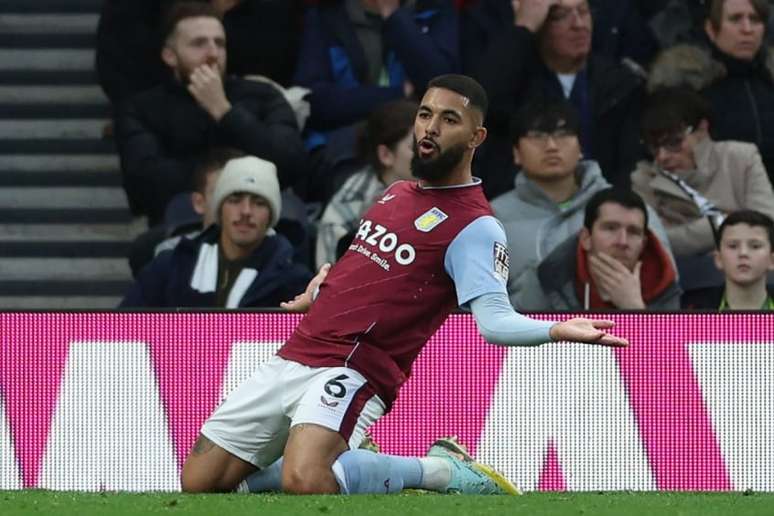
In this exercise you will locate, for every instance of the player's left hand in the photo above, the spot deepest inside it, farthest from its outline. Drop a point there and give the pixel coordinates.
(589, 331)
(303, 301)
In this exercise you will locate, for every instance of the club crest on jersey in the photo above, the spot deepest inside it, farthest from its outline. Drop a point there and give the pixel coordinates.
(501, 261)
(430, 219)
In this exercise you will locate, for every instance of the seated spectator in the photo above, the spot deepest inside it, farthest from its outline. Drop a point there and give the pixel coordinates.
(546, 55)
(620, 29)
(262, 38)
(745, 256)
(387, 144)
(162, 131)
(358, 54)
(546, 206)
(736, 73)
(693, 182)
(614, 262)
(187, 215)
(239, 261)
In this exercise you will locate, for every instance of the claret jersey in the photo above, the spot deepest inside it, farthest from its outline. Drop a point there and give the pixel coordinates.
(418, 254)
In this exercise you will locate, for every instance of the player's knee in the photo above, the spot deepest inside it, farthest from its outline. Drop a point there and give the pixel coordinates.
(305, 480)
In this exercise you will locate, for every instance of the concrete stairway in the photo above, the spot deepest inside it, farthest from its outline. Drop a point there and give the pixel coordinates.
(64, 222)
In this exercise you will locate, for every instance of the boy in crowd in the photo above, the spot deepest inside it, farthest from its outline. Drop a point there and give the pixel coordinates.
(745, 256)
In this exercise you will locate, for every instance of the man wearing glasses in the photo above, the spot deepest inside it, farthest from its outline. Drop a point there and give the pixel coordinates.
(551, 191)
(547, 54)
(693, 181)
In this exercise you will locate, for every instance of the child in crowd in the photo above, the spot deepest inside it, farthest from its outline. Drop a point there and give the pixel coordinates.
(745, 256)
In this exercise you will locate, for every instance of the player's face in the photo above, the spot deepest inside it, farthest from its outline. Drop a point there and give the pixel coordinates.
(745, 254)
(546, 157)
(741, 30)
(567, 31)
(618, 232)
(245, 219)
(196, 42)
(445, 128)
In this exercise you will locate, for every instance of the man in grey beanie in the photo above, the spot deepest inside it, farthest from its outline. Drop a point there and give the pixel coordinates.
(239, 261)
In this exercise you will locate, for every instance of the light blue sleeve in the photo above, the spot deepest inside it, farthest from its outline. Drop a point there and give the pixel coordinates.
(477, 260)
(499, 324)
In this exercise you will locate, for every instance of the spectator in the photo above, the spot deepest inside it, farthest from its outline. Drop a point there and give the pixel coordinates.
(238, 262)
(161, 132)
(187, 215)
(620, 30)
(387, 144)
(744, 254)
(693, 182)
(358, 54)
(614, 262)
(546, 54)
(736, 73)
(546, 206)
(262, 38)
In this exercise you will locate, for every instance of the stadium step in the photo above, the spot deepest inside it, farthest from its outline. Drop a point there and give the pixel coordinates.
(43, 129)
(46, 59)
(85, 178)
(65, 227)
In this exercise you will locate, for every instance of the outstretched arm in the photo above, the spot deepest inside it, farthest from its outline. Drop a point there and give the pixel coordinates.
(499, 324)
(303, 301)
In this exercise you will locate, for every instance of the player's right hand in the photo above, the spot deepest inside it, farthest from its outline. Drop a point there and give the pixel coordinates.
(303, 301)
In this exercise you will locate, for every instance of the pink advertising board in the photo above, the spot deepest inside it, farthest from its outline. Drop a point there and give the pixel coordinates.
(93, 401)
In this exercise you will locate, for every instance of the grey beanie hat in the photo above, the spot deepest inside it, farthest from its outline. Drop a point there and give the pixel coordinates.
(251, 175)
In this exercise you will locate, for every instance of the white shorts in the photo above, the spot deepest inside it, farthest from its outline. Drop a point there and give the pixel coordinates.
(254, 420)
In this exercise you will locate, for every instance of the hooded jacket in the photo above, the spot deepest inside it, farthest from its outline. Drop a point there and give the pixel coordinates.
(535, 224)
(563, 282)
(741, 93)
(729, 174)
(186, 276)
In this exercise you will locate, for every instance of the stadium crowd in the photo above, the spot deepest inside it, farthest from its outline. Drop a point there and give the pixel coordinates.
(629, 156)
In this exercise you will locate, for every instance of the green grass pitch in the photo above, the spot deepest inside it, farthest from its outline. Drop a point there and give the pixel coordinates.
(543, 504)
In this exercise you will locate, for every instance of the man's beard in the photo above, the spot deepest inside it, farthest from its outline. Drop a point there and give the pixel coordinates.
(439, 167)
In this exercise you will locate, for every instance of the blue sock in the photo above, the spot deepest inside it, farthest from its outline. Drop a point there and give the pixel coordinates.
(366, 472)
(267, 479)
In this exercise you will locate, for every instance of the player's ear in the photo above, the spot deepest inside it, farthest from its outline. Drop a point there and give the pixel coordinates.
(479, 135)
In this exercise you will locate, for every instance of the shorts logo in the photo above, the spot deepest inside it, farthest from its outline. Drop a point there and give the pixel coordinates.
(501, 261)
(328, 403)
(429, 220)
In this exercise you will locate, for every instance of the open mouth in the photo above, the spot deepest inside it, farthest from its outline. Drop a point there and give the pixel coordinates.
(427, 147)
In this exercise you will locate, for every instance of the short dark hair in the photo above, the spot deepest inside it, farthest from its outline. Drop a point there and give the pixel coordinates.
(545, 116)
(751, 218)
(670, 110)
(715, 11)
(182, 10)
(214, 159)
(626, 198)
(386, 125)
(465, 86)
